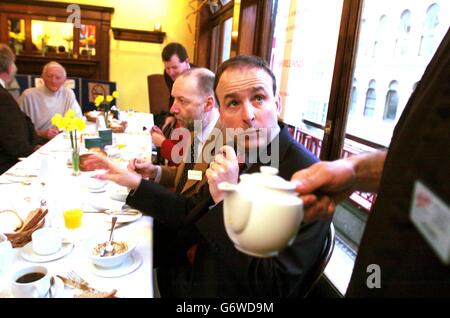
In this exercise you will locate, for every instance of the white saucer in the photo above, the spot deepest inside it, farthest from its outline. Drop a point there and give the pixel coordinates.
(99, 190)
(129, 265)
(28, 253)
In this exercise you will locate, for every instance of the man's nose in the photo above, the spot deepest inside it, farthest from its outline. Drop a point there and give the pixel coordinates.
(174, 109)
(247, 113)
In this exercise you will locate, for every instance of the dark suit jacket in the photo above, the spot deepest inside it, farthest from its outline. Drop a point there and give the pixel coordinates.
(220, 270)
(17, 134)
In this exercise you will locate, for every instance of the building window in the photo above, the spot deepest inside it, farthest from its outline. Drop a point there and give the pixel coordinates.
(371, 99)
(379, 47)
(354, 96)
(431, 22)
(401, 46)
(390, 108)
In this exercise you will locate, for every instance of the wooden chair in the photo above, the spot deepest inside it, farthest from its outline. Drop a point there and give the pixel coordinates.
(158, 94)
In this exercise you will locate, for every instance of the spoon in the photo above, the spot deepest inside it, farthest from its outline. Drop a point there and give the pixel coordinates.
(109, 248)
(52, 284)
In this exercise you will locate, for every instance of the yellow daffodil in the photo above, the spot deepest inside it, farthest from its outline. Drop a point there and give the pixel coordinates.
(99, 100)
(109, 98)
(70, 114)
(115, 94)
(79, 124)
(56, 120)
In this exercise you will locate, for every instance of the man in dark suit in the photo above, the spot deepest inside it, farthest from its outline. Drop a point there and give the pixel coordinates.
(246, 90)
(18, 136)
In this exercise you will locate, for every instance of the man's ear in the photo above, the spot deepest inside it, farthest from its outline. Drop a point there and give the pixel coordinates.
(278, 103)
(209, 104)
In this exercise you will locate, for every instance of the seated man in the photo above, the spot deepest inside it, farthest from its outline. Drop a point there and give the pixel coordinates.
(18, 136)
(246, 90)
(41, 103)
(193, 101)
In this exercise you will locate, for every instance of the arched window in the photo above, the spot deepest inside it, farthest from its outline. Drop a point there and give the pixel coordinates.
(401, 46)
(353, 96)
(391, 104)
(379, 47)
(431, 22)
(371, 99)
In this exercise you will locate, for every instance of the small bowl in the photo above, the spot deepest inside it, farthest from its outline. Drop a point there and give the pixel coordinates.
(92, 246)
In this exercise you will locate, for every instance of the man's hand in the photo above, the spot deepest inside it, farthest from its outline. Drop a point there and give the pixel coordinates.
(225, 167)
(157, 136)
(114, 172)
(143, 167)
(322, 186)
(49, 133)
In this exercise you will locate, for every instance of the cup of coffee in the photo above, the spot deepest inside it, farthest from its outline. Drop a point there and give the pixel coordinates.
(46, 241)
(31, 282)
(6, 253)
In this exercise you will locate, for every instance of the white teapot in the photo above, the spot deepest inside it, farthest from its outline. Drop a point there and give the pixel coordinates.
(262, 213)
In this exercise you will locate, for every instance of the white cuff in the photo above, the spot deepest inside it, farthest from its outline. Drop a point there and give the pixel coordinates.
(158, 174)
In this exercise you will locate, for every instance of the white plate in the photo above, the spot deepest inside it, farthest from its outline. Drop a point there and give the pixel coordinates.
(97, 190)
(129, 265)
(28, 253)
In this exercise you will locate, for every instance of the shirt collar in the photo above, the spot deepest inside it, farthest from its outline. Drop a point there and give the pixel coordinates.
(2, 83)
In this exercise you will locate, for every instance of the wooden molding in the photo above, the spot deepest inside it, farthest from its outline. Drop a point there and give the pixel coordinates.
(138, 35)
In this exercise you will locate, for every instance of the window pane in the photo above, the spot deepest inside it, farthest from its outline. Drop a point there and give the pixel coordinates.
(226, 45)
(375, 113)
(390, 74)
(303, 55)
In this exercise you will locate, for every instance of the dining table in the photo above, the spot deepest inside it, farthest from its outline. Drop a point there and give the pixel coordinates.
(45, 179)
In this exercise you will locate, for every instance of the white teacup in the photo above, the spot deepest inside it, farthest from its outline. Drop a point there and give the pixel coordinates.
(5, 253)
(31, 282)
(46, 241)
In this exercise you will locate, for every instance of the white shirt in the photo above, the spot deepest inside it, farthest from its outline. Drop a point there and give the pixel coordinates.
(41, 104)
(2, 82)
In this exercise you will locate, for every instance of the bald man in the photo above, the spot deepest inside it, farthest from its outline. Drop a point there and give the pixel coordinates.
(41, 103)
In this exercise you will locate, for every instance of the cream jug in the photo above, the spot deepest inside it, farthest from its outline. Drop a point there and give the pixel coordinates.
(262, 213)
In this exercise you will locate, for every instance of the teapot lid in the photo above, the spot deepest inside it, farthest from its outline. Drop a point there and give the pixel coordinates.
(267, 177)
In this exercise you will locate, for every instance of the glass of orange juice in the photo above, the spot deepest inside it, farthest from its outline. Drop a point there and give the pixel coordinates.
(72, 218)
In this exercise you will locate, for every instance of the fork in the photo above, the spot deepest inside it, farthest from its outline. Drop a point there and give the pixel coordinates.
(76, 278)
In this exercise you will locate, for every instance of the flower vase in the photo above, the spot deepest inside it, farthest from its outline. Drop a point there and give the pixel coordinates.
(106, 115)
(75, 163)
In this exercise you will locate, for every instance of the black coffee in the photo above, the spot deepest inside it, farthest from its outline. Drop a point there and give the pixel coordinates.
(30, 277)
